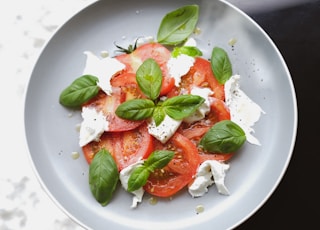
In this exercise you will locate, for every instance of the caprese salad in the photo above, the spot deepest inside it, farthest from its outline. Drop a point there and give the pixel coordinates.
(159, 117)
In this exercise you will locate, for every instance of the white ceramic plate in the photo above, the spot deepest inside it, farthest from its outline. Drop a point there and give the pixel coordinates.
(51, 129)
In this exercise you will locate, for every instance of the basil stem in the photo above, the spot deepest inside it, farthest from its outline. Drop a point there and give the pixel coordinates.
(221, 65)
(79, 91)
(176, 26)
(223, 137)
(103, 176)
(157, 160)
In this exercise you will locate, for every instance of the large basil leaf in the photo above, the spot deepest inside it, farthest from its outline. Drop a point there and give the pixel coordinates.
(182, 106)
(79, 91)
(223, 137)
(149, 78)
(178, 25)
(135, 109)
(103, 176)
(221, 65)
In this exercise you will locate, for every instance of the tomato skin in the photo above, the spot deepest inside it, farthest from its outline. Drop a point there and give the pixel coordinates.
(155, 51)
(124, 79)
(167, 85)
(125, 147)
(180, 170)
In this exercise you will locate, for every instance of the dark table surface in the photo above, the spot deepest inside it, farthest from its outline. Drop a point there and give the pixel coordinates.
(294, 26)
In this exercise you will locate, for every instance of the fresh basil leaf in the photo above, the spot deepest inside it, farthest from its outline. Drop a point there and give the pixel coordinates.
(158, 115)
(157, 160)
(191, 51)
(138, 178)
(103, 176)
(79, 91)
(182, 106)
(178, 25)
(221, 65)
(223, 137)
(149, 78)
(135, 109)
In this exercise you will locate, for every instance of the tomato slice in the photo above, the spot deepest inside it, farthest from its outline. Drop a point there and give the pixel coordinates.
(180, 170)
(126, 147)
(150, 50)
(201, 75)
(124, 79)
(195, 131)
(215, 156)
(109, 104)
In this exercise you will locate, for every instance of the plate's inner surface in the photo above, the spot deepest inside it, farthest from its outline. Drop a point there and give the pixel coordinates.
(52, 135)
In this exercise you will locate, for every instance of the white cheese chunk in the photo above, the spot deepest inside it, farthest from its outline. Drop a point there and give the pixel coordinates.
(104, 69)
(165, 129)
(92, 126)
(124, 178)
(144, 40)
(243, 110)
(190, 42)
(179, 66)
(204, 109)
(208, 173)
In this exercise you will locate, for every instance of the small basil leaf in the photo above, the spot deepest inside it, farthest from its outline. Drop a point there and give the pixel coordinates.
(138, 178)
(158, 159)
(221, 65)
(191, 51)
(178, 25)
(103, 176)
(223, 137)
(79, 91)
(149, 78)
(158, 115)
(182, 106)
(135, 109)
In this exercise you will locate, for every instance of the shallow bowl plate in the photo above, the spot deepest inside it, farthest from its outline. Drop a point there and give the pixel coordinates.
(51, 132)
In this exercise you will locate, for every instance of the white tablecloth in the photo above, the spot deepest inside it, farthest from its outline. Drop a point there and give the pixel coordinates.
(25, 28)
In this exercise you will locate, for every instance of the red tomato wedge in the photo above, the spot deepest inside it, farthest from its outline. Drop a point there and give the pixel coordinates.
(179, 172)
(155, 51)
(195, 131)
(108, 104)
(126, 147)
(200, 75)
